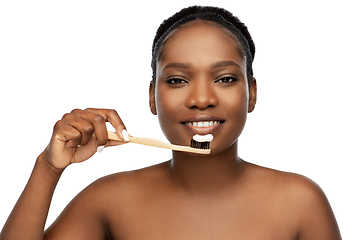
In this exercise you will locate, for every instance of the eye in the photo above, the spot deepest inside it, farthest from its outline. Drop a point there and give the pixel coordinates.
(175, 81)
(227, 79)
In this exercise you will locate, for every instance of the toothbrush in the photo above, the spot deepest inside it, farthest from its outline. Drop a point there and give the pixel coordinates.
(199, 144)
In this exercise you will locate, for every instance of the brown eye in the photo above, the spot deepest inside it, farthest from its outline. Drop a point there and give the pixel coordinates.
(227, 80)
(175, 81)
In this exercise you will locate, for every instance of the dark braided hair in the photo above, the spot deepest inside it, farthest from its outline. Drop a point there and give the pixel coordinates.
(219, 16)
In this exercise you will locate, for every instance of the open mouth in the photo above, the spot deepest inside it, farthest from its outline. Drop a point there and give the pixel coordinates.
(203, 124)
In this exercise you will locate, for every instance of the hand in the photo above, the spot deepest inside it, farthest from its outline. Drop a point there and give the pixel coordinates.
(78, 134)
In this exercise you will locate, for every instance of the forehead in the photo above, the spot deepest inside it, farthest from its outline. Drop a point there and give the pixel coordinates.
(201, 42)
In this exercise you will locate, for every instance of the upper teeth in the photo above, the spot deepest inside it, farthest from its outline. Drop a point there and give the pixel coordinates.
(203, 124)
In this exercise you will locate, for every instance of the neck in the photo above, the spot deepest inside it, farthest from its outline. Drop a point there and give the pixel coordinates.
(201, 175)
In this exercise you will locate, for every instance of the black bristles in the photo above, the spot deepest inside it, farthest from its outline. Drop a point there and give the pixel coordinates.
(200, 145)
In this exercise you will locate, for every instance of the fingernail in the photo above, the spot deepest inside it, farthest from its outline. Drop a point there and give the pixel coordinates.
(100, 149)
(125, 135)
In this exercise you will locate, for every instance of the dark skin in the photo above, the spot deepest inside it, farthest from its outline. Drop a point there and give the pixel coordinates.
(200, 77)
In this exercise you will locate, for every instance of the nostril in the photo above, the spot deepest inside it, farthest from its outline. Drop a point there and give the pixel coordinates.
(201, 95)
(202, 101)
(202, 104)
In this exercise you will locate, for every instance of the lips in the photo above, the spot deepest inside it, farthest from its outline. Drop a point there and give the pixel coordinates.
(202, 124)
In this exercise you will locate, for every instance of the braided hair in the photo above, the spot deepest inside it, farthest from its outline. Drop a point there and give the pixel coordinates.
(219, 16)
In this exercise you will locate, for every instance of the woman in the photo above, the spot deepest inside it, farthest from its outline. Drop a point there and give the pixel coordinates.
(202, 83)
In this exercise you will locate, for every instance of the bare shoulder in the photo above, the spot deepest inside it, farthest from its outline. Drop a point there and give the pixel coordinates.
(304, 201)
(88, 215)
(293, 188)
(130, 189)
(126, 181)
(288, 182)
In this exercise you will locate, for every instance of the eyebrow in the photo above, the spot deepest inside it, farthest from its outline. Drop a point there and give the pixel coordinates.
(177, 66)
(220, 64)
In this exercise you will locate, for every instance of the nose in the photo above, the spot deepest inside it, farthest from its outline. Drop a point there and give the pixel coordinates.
(201, 95)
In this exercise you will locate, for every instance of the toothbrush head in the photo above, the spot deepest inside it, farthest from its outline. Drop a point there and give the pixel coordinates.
(201, 141)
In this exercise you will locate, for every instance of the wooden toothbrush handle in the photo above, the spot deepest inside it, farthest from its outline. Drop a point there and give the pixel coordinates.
(114, 136)
(158, 143)
(144, 141)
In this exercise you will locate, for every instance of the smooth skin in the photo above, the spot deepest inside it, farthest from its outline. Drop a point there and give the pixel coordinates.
(200, 76)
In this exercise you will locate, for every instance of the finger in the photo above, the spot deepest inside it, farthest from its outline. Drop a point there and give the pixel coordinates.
(114, 119)
(67, 134)
(97, 123)
(83, 126)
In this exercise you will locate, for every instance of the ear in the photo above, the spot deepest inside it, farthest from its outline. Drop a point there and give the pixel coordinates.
(252, 95)
(152, 98)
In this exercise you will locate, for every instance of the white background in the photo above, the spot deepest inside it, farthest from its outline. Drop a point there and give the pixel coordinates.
(60, 55)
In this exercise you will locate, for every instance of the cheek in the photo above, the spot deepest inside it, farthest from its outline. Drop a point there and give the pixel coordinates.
(240, 107)
(235, 102)
(168, 105)
(236, 106)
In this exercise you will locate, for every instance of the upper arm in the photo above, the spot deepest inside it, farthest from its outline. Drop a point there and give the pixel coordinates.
(317, 220)
(83, 218)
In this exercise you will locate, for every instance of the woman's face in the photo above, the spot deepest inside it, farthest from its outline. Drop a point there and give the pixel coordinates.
(201, 87)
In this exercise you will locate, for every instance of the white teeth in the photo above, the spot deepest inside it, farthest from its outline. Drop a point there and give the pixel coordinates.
(203, 124)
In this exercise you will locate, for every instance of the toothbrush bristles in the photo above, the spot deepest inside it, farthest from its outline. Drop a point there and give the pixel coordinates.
(200, 145)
